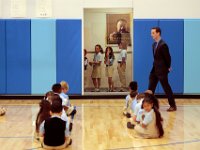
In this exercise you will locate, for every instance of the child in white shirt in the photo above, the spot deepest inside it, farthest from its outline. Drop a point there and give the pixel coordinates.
(138, 106)
(149, 120)
(71, 110)
(130, 100)
(57, 89)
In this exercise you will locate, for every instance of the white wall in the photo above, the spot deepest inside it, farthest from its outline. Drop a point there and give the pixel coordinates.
(142, 8)
(60, 9)
(166, 9)
(107, 3)
(0, 8)
(66, 8)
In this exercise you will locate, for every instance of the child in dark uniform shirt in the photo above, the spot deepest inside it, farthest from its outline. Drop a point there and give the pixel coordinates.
(54, 130)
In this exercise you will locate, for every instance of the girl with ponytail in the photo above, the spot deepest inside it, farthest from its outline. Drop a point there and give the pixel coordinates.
(149, 118)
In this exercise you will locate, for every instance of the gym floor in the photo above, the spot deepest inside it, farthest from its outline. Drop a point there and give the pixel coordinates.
(100, 125)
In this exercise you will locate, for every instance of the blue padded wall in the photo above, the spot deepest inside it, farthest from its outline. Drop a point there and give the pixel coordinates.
(69, 54)
(173, 35)
(2, 57)
(143, 56)
(43, 54)
(35, 54)
(191, 56)
(18, 48)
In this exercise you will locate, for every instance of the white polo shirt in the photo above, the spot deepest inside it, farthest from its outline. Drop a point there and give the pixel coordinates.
(123, 53)
(97, 57)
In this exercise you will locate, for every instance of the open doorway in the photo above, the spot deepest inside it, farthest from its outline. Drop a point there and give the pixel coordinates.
(103, 28)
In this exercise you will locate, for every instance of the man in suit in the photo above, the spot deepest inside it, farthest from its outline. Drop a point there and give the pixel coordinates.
(161, 67)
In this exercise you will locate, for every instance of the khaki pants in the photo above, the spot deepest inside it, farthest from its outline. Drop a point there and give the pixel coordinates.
(145, 133)
(122, 74)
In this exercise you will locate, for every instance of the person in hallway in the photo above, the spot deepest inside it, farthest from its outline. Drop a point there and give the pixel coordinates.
(96, 63)
(121, 68)
(161, 67)
(85, 68)
(109, 60)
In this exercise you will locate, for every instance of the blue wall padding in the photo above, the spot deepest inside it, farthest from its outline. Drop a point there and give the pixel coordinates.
(173, 35)
(18, 57)
(2, 57)
(43, 55)
(69, 53)
(191, 56)
(143, 56)
(38, 53)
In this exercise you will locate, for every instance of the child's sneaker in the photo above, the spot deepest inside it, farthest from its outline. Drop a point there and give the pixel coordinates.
(97, 90)
(130, 126)
(69, 142)
(70, 126)
(128, 115)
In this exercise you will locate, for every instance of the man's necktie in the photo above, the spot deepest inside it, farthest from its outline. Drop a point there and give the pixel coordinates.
(155, 47)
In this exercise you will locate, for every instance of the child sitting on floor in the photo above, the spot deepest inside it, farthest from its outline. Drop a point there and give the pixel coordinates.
(138, 106)
(42, 115)
(57, 89)
(71, 110)
(149, 120)
(54, 130)
(130, 100)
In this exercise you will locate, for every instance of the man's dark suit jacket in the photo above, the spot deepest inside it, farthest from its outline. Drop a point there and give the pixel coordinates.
(162, 59)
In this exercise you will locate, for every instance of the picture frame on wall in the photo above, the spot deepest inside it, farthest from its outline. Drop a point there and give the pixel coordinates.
(118, 29)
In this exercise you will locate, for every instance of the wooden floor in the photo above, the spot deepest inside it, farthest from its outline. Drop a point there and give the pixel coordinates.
(100, 125)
